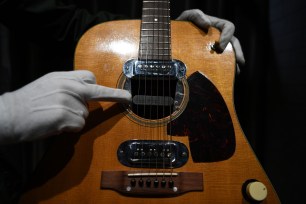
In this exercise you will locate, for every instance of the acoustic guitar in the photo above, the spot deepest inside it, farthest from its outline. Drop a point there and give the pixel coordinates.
(178, 141)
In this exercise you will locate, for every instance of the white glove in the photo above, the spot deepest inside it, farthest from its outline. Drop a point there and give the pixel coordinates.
(52, 104)
(227, 29)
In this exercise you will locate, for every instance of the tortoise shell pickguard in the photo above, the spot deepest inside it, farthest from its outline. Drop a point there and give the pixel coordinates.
(207, 122)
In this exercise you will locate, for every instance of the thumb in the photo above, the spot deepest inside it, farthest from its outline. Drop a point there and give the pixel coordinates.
(102, 93)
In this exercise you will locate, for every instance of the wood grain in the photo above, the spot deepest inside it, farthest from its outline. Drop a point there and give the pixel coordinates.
(103, 50)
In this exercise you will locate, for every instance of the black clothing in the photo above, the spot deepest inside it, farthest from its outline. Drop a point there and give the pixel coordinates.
(51, 26)
(51, 20)
(50, 29)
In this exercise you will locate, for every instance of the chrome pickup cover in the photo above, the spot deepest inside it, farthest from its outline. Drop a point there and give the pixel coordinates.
(173, 68)
(152, 154)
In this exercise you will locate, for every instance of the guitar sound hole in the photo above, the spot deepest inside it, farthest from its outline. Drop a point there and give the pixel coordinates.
(153, 97)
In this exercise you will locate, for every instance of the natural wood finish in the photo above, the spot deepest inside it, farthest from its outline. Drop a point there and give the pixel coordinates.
(103, 50)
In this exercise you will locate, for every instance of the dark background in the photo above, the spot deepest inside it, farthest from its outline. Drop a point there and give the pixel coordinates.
(269, 93)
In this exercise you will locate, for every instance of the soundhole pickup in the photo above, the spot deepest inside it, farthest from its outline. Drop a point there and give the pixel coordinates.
(152, 154)
(162, 184)
(173, 68)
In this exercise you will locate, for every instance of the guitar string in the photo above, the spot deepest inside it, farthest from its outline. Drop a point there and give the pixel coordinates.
(145, 89)
(163, 82)
(157, 18)
(151, 95)
(155, 44)
(145, 93)
(163, 57)
(167, 55)
(170, 91)
(155, 52)
(140, 56)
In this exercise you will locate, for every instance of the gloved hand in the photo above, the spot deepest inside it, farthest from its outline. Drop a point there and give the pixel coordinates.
(227, 29)
(52, 104)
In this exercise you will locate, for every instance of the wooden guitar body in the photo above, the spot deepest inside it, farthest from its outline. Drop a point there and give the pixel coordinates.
(72, 169)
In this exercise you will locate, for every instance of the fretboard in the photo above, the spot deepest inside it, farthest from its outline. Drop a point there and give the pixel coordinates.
(155, 39)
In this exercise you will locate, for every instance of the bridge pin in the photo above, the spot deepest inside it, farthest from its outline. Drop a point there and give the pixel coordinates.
(156, 182)
(140, 182)
(148, 182)
(133, 182)
(163, 183)
(171, 184)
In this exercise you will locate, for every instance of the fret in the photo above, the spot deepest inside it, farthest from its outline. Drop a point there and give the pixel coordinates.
(155, 25)
(159, 9)
(156, 18)
(157, 36)
(156, 13)
(156, 4)
(163, 55)
(154, 29)
(159, 58)
(153, 22)
(160, 16)
(161, 44)
(156, 48)
(155, 1)
(155, 42)
(153, 47)
(161, 35)
(155, 54)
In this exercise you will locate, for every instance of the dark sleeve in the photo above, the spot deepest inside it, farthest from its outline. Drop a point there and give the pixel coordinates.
(50, 20)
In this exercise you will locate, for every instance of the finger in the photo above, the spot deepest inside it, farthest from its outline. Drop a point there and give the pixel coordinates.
(227, 29)
(69, 121)
(238, 50)
(197, 17)
(75, 126)
(102, 93)
(84, 75)
(80, 75)
(88, 91)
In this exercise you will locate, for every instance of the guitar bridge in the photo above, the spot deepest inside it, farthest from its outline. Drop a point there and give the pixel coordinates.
(151, 184)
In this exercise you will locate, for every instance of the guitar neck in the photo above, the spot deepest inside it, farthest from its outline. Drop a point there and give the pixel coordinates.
(155, 38)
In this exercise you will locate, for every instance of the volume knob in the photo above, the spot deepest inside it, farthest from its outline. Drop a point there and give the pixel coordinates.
(256, 191)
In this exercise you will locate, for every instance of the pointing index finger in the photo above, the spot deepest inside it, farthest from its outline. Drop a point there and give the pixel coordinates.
(103, 93)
